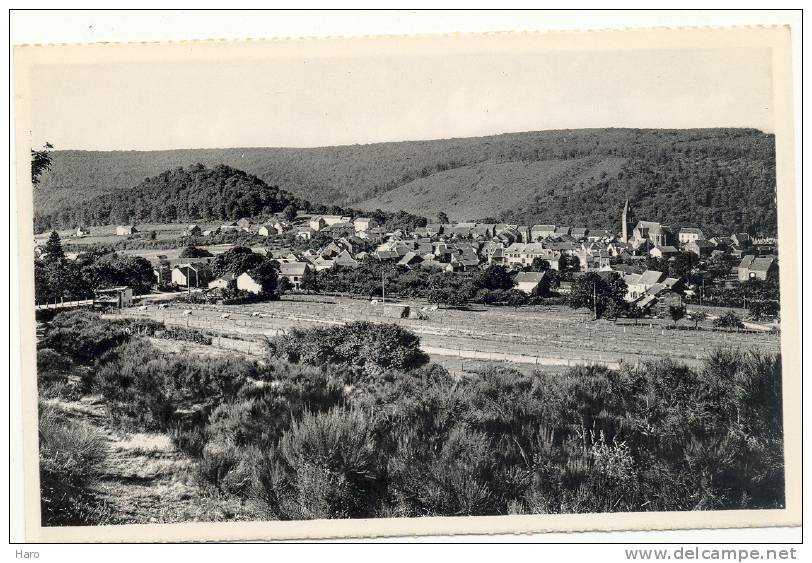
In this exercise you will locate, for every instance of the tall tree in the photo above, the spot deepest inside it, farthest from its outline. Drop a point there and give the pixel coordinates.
(53, 248)
(290, 212)
(40, 162)
(593, 292)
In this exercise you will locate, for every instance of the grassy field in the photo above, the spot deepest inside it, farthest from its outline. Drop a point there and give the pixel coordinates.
(464, 193)
(552, 335)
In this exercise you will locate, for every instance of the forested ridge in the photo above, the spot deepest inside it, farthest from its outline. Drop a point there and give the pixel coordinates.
(180, 194)
(720, 179)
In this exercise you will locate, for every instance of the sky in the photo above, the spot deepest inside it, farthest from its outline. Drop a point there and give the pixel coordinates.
(337, 100)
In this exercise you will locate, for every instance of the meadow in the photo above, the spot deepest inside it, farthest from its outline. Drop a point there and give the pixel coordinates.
(552, 334)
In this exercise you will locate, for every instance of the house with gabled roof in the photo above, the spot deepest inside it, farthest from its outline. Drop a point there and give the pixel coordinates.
(268, 230)
(410, 259)
(226, 281)
(741, 240)
(663, 251)
(529, 282)
(191, 274)
(756, 267)
(700, 247)
(689, 234)
(638, 284)
(362, 223)
(345, 260)
(522, 254)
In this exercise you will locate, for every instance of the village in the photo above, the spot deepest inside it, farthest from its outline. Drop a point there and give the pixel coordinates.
(667, 274)
(334, 241)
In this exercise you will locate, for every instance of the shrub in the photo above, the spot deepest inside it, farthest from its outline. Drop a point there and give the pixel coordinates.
(185, 334)
(371, 347)
(728, 320)
(147, 387)
(52, 367)
(457, 481)
(71, 455)
(83, 336)
(325, 467)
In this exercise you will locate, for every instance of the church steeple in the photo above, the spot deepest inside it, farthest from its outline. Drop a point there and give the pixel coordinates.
(625, 219)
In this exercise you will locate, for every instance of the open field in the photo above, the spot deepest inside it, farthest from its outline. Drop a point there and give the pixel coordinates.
(541, 335)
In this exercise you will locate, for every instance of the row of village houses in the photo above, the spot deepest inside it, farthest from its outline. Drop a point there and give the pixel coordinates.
(465, 246)
(664, 238)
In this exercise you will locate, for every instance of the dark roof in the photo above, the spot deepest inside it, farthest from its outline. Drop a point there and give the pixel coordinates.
(529, 277)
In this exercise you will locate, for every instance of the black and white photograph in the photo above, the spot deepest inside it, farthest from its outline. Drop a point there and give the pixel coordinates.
(406, 278)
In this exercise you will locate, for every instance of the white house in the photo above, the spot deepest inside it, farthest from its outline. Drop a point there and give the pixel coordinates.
(125, 230)
(246, 283)
(294, 271)
(689, 234)
(529, 282)
(663, 251)
(523, 254)
(305, 233)
(317, 223)
(638, 284)
(223, 282)
(190, 274)
(268, 230)
(362, 224)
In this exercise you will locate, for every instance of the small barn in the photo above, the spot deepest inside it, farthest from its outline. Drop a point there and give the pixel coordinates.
(125, 230)
(114, 296)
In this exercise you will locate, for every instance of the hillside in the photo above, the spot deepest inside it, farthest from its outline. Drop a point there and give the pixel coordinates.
(478, 191)
(180, 194)
(720, 179)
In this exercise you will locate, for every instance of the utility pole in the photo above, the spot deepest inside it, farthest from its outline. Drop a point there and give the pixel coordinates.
(383, 288)
(595, 300)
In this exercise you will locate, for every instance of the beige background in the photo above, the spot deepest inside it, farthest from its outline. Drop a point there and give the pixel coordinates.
(29, 62)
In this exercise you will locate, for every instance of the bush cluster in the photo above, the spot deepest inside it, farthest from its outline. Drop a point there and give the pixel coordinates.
(351, 422)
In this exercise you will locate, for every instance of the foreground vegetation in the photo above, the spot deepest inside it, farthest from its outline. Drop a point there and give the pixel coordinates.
(354, 422)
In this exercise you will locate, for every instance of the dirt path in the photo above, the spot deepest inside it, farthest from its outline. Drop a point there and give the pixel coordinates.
(145, 479)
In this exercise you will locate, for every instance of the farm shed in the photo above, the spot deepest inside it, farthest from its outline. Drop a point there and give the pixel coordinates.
(115, 296)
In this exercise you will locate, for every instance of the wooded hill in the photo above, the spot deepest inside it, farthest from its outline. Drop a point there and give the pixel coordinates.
(722, 180)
